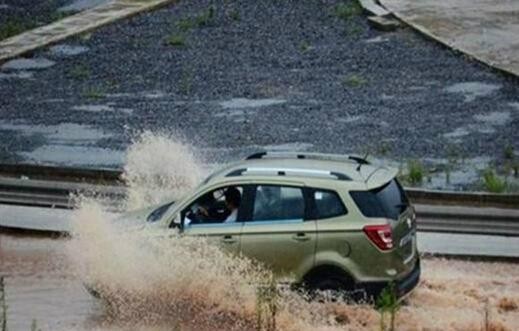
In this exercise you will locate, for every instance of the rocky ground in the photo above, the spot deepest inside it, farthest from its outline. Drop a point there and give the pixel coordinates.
(17, 16)
(235, 76)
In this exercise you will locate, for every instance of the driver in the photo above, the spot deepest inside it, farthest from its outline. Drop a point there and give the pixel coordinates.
(232, 202)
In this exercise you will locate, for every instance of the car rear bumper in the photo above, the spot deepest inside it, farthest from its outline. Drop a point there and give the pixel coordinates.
(402, 286)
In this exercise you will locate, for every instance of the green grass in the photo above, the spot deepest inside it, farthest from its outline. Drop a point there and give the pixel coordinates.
(508, 152)
(234, 15)
(13, 27)
(79, 72)
(304, 46)
(186, 82)
(492, 183)
(93, 93)
(415, 172)
(347, 11)
(201, 20)
(387, 304)
(354, 81)
(176, 40)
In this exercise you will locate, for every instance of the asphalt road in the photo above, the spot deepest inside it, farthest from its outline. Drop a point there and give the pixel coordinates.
(281, 75)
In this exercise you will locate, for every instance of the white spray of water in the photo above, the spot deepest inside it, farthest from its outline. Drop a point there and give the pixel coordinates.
(154, 279)
(159, 167)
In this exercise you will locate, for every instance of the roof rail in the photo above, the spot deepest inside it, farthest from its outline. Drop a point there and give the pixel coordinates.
(288, 172)
(312, 156)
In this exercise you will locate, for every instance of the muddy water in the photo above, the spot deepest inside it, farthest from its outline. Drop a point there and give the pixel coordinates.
(39, 286)
(452, 296)
(157, 282)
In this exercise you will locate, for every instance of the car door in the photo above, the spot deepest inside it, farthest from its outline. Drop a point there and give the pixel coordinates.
(225, 235)
(276, 233)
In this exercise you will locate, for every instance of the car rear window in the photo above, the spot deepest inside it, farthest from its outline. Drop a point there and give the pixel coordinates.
(387, 201)
(328, 204)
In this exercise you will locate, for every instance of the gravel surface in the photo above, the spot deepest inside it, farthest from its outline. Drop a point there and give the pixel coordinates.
(282, 74)
(17, 16)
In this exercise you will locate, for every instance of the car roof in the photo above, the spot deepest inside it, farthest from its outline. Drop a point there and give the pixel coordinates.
(348, 169)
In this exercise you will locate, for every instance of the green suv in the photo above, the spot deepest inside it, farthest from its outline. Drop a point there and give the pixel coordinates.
(326, 221)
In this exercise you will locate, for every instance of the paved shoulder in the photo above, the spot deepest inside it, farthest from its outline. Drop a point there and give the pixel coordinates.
(76, 24)
(484, 29)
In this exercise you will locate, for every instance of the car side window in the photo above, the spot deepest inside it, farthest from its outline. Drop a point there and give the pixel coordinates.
(278, 203)
(328, 204)
(222, 205)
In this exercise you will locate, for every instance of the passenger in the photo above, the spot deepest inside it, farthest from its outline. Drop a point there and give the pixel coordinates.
(232, 202)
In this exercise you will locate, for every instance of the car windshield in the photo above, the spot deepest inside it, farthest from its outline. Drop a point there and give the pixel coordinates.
(158, 212)
(387, 201)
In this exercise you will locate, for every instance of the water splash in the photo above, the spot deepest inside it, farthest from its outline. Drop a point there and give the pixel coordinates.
(153, 279)
(159, 167)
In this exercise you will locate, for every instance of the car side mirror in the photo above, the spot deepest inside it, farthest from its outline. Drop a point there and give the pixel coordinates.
(178, 222)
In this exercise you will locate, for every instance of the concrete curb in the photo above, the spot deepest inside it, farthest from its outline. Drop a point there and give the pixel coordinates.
(76, 24)
(451, 45)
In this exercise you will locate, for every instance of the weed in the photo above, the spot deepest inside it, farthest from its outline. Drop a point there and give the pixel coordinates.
(34, 326)
(234, 15)
(383, 149)
(353, 81)
(387, 303)
(186, 24)
(59, 15)
(201, 20)
(206, 17)
(267, 306)
(13, 27)
(492, 182)
(3, 306)
(353, 30)
(416, 172)
(176, 40)
(346, 11)
(508, 153)
(186, 82)
(304, 46)
(79, 72)
(93, 93)
(448, 173)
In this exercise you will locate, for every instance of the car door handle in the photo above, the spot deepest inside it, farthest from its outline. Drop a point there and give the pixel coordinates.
(300, 237)
(228, 239)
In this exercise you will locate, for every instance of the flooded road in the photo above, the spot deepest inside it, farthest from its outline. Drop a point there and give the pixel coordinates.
(40, 287)
(453, 295)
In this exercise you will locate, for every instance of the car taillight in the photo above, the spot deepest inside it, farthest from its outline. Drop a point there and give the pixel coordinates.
(380, 235)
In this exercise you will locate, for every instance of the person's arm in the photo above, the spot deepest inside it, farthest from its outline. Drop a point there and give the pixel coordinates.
(232, 216)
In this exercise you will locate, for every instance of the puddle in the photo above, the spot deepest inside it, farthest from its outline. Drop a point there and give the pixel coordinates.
(514, 105)
(19, 75)
(67, 50)
(66, 133)
(462, 173)
(28, 64)
(459, 132)
(349, 119)
(102, 108)
(378, 39)
(494, 118)
(75, 155)
(79, 5)
(472, 90)
(250, 103)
